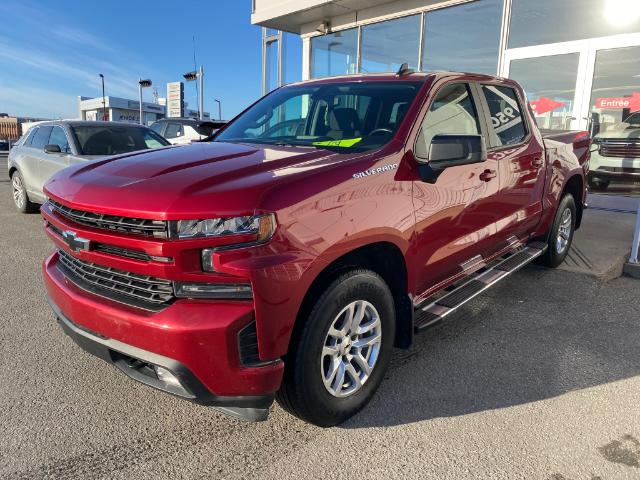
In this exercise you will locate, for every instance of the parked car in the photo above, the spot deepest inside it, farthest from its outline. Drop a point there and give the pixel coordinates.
(264, 265)
(617, 158)
(52, 146)
(182, 131)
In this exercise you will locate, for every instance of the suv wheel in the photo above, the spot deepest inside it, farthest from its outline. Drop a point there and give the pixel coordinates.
(20, 197)
(561, 235)
(340, 357)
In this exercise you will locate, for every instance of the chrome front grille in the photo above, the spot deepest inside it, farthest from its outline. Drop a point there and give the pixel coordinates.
(620, 149)
(135, 226)
(125, 287)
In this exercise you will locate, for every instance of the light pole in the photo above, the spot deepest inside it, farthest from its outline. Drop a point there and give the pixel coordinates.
(195, 75)
(104, 105)
(219, 108)
(142, 84)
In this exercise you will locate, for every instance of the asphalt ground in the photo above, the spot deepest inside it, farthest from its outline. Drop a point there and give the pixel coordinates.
(536, 379)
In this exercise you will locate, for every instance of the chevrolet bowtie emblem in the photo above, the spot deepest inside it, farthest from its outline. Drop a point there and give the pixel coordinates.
(75, 242)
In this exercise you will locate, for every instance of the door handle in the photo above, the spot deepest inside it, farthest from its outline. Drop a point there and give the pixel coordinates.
(537, 162)
(487, 175)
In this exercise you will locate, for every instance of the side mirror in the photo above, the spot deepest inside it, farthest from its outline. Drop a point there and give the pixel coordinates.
(448, 151)
(52, 149)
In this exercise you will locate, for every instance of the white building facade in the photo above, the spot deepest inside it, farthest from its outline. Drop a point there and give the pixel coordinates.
(578, 60)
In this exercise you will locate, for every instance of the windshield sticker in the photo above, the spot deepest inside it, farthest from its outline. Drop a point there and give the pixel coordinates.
(375, 171)
(349, 142)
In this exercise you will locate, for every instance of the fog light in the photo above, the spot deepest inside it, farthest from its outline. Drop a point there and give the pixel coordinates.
(167, 377)
(233, 291)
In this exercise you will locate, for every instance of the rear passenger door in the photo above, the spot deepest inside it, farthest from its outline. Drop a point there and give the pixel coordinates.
(32, 175)
(520, 158)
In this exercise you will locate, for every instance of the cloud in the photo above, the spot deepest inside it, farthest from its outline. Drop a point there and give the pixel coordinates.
(37, 102)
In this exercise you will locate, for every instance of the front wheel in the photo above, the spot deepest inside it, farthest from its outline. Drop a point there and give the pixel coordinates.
(20, 196)
(338, 360)
(561, 235)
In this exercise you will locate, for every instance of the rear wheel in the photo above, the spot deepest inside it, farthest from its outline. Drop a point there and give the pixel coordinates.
(20, 196)
(338, 360)
(561, 235)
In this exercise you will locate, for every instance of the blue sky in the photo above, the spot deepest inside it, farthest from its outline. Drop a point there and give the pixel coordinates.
(51, 52)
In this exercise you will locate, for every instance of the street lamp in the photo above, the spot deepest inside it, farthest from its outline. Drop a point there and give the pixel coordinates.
(194, 75)
(142, 84)
(104, 105)
(219, 108)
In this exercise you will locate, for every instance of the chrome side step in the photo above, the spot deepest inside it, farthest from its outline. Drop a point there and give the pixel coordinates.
(433, 311)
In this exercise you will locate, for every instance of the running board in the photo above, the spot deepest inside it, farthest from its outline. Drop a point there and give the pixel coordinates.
(434, 311)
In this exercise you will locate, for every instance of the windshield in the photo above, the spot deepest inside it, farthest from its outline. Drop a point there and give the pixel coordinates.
(633, 119)
(343, 116)
(115, 139)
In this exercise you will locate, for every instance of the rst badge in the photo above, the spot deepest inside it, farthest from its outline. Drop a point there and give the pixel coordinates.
(75, 242)
(375, 171)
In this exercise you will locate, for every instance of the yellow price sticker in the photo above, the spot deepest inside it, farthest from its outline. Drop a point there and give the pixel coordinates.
(349, 142)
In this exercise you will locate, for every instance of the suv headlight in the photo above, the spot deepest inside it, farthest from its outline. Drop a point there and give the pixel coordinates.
(262, 226)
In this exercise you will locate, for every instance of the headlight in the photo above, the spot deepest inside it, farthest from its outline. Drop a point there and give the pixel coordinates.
(262, 226)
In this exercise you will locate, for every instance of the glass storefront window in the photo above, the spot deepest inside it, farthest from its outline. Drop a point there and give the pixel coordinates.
(334, 54)
(551, 96)
(550, 21)
(387, 45)
(463, 37)
(615, 121)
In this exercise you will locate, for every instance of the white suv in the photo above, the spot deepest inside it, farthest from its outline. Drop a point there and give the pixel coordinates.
(182, 131)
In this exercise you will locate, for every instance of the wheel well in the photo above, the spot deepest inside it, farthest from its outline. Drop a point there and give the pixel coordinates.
(386, 260)
(575, 187)
(11, 170)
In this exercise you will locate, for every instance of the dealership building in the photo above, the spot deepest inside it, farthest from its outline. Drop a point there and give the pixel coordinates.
(578, 60)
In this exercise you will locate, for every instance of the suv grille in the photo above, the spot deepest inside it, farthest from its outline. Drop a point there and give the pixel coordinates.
(620, 149)
(136, 226)
(138, 290)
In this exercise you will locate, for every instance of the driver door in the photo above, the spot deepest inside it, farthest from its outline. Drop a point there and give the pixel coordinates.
(456, 223)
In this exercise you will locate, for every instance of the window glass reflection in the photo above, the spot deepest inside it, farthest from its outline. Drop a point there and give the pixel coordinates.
(387, 45)
(334, 54)
(549, 21)
(463, 38)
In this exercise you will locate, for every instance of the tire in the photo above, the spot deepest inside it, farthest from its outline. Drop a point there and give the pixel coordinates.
(599, 186)
(561, 235)
(20, 196)
(309, 390)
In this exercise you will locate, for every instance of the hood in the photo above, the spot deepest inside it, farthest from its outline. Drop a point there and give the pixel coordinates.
(200, 180)
(621, 131)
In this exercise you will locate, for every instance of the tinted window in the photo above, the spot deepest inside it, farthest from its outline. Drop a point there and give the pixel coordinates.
(463, 37)
(29, 138)
(41, 137)
(387, 45)
(549, 21)
(350, 115)
(113, 140)
(173, 130)
(157, 127)
(452, 112)
(506, 114)
(58, 137)
(334, 54)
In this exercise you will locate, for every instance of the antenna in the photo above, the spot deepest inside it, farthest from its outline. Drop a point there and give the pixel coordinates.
(404, 70)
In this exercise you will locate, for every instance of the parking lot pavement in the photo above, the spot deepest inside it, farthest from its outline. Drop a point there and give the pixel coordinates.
(537, 379)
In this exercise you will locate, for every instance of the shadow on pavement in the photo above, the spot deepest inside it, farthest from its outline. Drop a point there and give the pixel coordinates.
(538, 335)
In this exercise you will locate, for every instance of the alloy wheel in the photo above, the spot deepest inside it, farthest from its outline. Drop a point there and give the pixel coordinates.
(18, 191)
(564, 231)
(351, 348)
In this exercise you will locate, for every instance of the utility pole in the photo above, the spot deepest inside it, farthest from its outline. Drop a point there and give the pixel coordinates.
(142, 84)
(104, 104)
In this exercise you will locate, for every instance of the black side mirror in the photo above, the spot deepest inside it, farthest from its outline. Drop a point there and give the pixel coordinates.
(52, 149)
(448, 151)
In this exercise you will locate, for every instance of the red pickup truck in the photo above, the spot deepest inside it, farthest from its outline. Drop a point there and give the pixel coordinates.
(326, 224)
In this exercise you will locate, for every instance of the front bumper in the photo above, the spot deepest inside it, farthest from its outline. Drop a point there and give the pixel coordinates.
(196, 341)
